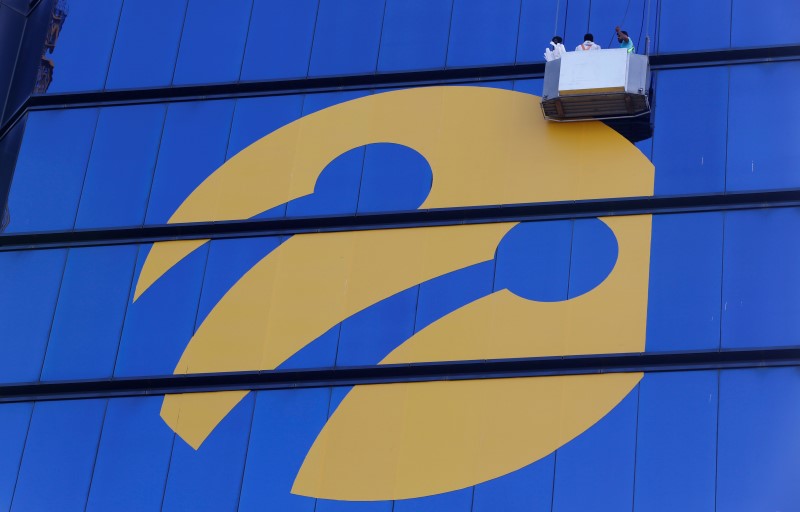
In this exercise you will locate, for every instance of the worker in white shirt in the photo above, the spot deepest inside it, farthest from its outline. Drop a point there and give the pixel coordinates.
(558, 49)
(588, 44)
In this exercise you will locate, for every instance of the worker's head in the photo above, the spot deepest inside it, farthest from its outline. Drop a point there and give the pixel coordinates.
(619, 36)
(588, 37)
(557, 39)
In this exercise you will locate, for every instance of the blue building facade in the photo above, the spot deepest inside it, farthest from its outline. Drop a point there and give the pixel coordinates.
(325, 255)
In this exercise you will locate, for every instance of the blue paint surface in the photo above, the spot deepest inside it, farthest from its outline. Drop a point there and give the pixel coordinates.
(121, 166)
(683, 305)
(212, 42)
(690, 156)
(347, 37)
(83, 50)
(599, 462)
(50, 170)
(59, 456)
(483, 32)
(279, 39)
(29, 287)
(758, 444)
(414, 35)
(210, 478)
(91, 307)
(133, 457)
(146, 45)
(676, 442)
(761, 281)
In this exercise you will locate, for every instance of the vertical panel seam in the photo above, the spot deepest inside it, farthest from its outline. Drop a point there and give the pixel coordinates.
(125, 312)
(449, 32)
(169, 467)
(155, 164)
(86, 166)
(246, 450)
(311, 49)
(21, 457)
(636, 443)
(96, 453)
(716, 444)
(246, 39)
(180, 42)
(113, 43)
(380, 37)
(519, 26)
(53, 317)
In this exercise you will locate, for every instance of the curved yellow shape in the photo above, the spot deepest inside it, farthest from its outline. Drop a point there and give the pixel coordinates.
(302, 289)
(517, 421)
(406, 440)
(485, 146)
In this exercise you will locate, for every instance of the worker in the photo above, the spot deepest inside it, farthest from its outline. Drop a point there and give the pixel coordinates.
(558, 49)
(625, 41)
(588, 44)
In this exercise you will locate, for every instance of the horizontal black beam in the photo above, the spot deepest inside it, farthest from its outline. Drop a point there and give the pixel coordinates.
(418, 372)
(415, 218)
(374, 80)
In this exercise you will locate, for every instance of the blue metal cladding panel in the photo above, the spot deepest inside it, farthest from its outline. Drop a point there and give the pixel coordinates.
(455, 501)
(83, 49)
(414, 35)
(367, 337)
(529, 489)
(765, 23)
(690, 137)
(285, 424)
(193, 145)
(599, 462)
(50, 169)
(210, 478)
(14, 421)
(29, 285)
(394, 178)
(533, 260)
(59, 456)
(684, 302)
(532, 86)
(759, 154)
(761, 281)
(604, 15)
(707, 27)
(337, 395)
(484, 32)
(347, 37)
(133, 457)
(759, 448)
(254, 118)
(91, 307)
(161, 322)
(676, 452)
(336, 190)
(228, 261)
(212, 43)
(146, 46)
(538, 19)
(577, 24)
(121, 164)
(279, 39)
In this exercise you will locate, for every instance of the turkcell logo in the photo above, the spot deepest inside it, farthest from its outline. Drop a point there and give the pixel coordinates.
(484, 147)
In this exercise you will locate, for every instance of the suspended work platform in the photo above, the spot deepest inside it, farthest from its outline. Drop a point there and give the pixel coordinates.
(598, 85)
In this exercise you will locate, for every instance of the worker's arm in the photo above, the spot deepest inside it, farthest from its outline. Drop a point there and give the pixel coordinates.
(620, 34)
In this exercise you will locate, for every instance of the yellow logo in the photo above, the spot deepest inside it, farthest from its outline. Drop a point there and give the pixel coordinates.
(394, 441)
